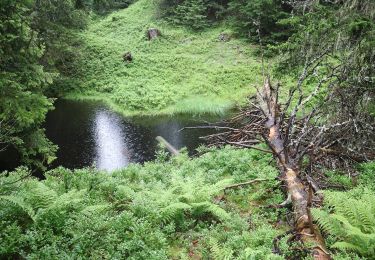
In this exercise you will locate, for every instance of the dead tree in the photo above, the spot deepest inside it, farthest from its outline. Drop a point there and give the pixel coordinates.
(325, 125)
(323, 120)
(167, 145)
(268, 122)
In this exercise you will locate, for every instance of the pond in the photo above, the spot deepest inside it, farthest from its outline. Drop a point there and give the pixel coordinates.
(89, 133)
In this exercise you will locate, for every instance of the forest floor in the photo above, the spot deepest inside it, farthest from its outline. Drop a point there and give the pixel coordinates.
(182, 71)
(172, 208)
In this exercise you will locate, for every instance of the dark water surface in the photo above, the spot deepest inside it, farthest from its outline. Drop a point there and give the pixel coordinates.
(89, 133)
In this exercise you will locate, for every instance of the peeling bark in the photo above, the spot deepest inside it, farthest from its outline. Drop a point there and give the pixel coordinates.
(289, 172)
(297, 129)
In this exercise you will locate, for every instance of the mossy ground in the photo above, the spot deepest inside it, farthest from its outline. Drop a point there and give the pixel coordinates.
(182, 71)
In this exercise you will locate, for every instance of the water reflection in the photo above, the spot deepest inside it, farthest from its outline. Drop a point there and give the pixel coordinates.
(88, 133)
(111, 152)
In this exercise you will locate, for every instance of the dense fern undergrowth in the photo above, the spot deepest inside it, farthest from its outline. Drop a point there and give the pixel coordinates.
(182, 71)
(348, 217)
(167, 209)
(174, 208)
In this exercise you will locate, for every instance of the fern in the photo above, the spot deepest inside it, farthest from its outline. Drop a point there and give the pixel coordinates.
(213, 209)
(347, 246)
(90, 211)
(352, 222)
(170, 212)
(191, 196)
(186, 198)
(40, 196)
(325, 223)
(218, 252)
(38, 200)
(218, 212)
(69, 198)
(154, 211)
(19, 202)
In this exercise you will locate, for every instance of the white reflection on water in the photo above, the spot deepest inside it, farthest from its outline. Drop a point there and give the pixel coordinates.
(111, 152)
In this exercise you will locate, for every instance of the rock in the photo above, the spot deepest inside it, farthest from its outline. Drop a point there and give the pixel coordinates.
(127, 57)
(224, 37)
(153, 33)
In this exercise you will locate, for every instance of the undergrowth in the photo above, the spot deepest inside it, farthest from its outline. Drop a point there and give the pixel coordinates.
(182, 71)
(348, 217)
(174, 208)
(169, 209)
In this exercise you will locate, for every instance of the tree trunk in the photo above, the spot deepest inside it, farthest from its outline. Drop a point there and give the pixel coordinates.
(289, 173)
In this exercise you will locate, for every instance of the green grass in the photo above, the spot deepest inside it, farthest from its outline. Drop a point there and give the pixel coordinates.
(180, 72)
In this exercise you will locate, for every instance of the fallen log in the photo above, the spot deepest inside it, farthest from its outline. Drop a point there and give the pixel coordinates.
(306, 126)
(289, 172)
(167, 145)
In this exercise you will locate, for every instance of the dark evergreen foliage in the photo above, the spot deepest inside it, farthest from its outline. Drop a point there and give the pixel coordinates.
(196, 14)
(247, 16)
(262, 18)
(102, 6)
(23, 83)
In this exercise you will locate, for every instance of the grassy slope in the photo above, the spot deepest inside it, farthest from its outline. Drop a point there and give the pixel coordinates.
(182, 71)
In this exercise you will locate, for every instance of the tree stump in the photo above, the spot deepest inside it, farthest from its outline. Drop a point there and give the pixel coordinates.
(224, 37)
(127, 57)
(153, 33)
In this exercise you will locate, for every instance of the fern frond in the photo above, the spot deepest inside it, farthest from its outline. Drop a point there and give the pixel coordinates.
(186, 198)
(352, 222)
(218, 212)
(220, 253)
(211, 208)
(346, 224)
(347, 246)
(324, 221)
(219, 186)
(19, 202)
(40, 196)
(169, 212)
(348, 209)
(366, 218)
(69, 198)
(95, 209)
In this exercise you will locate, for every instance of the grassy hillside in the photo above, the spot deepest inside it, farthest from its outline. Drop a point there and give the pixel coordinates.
(182, 71)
